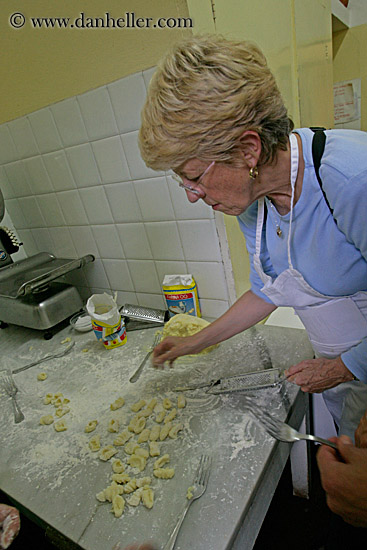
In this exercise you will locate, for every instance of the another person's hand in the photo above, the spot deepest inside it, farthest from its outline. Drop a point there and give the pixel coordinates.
(344, 479)
(9, 525)
(318, 375)
(361, 432)
(173, 347)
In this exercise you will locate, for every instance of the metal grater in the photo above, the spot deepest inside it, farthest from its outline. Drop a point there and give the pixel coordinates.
(147, 314)
(249, 381)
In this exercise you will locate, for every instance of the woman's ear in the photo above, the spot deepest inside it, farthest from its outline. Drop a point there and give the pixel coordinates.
(250, 146)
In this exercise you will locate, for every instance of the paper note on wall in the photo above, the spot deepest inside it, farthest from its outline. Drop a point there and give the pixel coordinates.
(347, 101)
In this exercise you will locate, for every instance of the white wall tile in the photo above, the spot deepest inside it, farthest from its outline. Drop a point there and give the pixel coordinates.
(126, 298)
(63, 244)
(29, 244)
(31, 212)
(137, 166)
(154, 199)
(8, 153)
(127, 97)
(50, 210)
(69, 122)
(199, 240)
(39, 181)
(43, 239)
(210, 279)
(23, 138)
(45, 131)
(84, 241)
(18, 179)
(118, 275)
(183, 208)
(165, 241)
(72, 208)
(96, 205)
(107, 241)
(83, 165)
(134, 241)
(123, 202)
(96, 275)
(212, 309)
(5, 186)
(170, 268)
(111, 160)
(59, 171)
(144, 276)
(147, 75)
(13, 208)
(155, 301)
(97, 113)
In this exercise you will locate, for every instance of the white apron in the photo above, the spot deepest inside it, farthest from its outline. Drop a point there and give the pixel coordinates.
(334, 324)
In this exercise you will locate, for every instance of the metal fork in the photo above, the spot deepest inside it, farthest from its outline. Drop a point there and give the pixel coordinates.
(11, 389)
(282, 431)
(45, 358)
(200, 483)
(138, 371)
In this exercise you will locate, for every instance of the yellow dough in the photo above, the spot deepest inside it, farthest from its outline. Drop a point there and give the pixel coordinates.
(186, 325)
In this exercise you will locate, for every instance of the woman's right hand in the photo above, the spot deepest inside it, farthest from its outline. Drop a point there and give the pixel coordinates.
(173, 347)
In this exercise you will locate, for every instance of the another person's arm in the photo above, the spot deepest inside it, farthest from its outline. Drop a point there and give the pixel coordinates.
(248, 310)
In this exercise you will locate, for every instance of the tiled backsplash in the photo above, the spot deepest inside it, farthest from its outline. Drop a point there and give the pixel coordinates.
(74, 183)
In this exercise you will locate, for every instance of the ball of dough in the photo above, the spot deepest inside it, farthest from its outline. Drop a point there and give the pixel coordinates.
(185, 325)
(41, 376)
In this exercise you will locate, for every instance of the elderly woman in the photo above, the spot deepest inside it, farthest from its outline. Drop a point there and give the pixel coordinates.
(215, 116)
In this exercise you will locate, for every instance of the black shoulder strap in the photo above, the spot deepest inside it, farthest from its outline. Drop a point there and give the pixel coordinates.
(318, 146)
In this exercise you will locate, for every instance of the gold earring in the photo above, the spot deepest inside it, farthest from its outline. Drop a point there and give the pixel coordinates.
(253, 173)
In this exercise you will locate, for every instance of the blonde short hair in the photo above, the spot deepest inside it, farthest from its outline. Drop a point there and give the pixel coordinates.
(204, 94)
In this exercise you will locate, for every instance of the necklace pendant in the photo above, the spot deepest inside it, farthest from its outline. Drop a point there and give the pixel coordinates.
(279, 232)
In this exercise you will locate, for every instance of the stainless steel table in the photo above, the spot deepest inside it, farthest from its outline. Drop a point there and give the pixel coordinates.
(54, 477)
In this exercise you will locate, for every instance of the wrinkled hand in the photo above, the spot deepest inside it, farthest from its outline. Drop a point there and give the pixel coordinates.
(344, 479)
(317, 375)
(9, 525)
(361, 432)
(173, 347)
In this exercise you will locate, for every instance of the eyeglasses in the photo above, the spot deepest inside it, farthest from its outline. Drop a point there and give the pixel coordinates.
(190, 188)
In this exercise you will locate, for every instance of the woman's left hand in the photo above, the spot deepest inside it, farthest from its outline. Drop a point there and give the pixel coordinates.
(317, 375)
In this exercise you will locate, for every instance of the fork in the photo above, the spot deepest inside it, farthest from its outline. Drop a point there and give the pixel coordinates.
(138, 371)
(45, 358)
(11, 389)
(282, 431)
(200, 483)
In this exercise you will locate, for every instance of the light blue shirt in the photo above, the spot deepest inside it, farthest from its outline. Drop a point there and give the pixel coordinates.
(332, 257)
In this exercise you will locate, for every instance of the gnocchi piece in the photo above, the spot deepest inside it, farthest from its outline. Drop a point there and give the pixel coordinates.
(170, 416)
(136, 461)
(60, 426)
(122, 438)
(57, 402)
(60, 411)
(111, 491)
(143, 481)
(95, 443)
(147, 497)
(174, 431)
(107, 452)
(46, 420)
(164, 459)
(145, 413)
(165, 431)
(120, 402)
(48, 398)
(152, 403)
(135, 498)
(133, 422)
(91, 426)
(130, 486)
(117, 466)
(138, 405)
(121, 478)
(164, 473)
(154, 433)
(55, 397)
(190, 492)
(113, 426)
(141, 452)
(181, 401)
(140, 425)
(167, 403)
(154, 449)
(131, 447)
(41, 376)
(118, 505)
(144, 436)
(159, 416)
